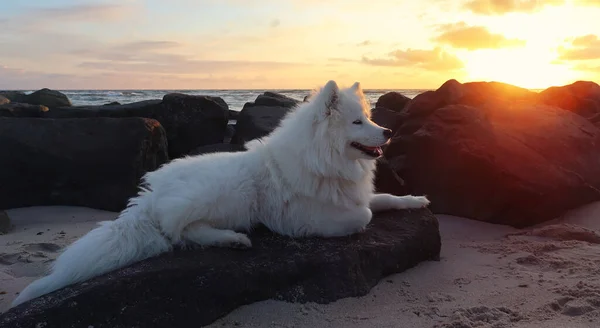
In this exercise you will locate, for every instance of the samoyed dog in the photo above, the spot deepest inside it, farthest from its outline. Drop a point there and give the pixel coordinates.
(312, 176)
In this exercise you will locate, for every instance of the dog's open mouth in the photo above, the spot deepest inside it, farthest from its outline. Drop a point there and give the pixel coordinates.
(370, 151)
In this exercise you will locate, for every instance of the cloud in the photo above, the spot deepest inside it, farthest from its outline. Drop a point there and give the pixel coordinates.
(434, 60)
(275, 23)
(45, 18)
(365, 43)
(175, 64)
(20, 79)
(148, 56)
(585, 47)
(81, 12)
(501, 7)
(587, 68)
(461, 35)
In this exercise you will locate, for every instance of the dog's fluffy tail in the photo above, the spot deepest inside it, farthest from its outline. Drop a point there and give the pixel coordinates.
(114, 244)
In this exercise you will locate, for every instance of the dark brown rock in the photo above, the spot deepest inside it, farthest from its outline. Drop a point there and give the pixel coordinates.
(48, 98)
(387, 117)
(22, 110)
(258, 119)
(393, 101)
(274, 99)
(93, 162)
(481, 153)
(194, 288)
(233, 114)
(14, 96)
(5, 224)
(581, 97)
(189, 121)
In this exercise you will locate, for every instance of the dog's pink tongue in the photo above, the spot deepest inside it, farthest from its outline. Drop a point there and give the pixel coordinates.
(379, 151)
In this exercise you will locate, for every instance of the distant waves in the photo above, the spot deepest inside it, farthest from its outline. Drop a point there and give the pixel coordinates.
(234, 98)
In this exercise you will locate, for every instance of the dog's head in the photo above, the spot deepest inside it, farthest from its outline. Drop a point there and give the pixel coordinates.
(346, 115)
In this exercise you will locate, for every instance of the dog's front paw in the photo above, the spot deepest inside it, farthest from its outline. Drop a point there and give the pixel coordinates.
(421, 201)
(412, 202)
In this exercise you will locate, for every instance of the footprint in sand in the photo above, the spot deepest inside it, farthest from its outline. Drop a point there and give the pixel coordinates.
(42, 247)
(29, 250)
(483, 316)
(9, 258)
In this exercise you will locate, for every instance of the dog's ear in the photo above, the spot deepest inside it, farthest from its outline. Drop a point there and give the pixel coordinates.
(329, 96)
(356, 87)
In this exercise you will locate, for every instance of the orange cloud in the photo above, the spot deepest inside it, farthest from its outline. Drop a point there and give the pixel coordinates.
(461, 35)
(435, 59)
(585, 47)
(501, 7)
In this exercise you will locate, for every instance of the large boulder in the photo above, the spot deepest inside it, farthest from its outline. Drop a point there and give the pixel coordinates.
(14, 96)
(93, 162)
(259, 118)
(194, 288)
(275, 99)
(22, 110)
(581, 97)
(48, 98)
(233, 114)
(386, 117)
(491, 153)
(189, 121)
(394, 101)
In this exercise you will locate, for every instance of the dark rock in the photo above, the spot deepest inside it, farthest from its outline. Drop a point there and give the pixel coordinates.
(257, 121)
(219, 101)
(386, 117)
(14, 96)
(189, 121)
(581, 97)
(229, 132)
(217, 148)
(499, 158)
(112, 103)
(4, 100)
(94, 162)
(194, 288)
(5, 224)
(192, 121)
(233, 114)
(22, 110)
(48, 98)
(394, 101)
(274, 99)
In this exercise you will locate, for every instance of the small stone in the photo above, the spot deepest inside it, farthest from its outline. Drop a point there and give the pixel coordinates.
(5, 225)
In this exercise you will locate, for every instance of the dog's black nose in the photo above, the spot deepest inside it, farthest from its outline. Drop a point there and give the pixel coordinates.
(387, 133)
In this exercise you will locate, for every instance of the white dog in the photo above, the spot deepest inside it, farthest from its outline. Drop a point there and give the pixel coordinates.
(312, 176)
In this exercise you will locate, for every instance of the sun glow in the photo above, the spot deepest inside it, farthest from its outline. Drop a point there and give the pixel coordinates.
(524, 67)
(535, 64)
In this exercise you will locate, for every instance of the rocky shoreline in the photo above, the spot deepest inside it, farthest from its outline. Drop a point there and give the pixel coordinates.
(486, 151)
(511, 151)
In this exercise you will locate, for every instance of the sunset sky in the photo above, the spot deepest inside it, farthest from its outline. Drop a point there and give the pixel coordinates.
(249, 44)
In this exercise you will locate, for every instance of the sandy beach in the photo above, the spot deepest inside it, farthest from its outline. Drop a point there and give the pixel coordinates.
(488, 275)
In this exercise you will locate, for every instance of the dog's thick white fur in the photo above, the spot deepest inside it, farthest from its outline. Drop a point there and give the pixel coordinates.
(312, 176)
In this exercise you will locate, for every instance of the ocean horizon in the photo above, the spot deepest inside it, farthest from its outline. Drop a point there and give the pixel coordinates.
(235, 98)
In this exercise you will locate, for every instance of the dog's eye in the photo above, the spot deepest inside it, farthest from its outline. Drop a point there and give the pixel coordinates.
(357, 122)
